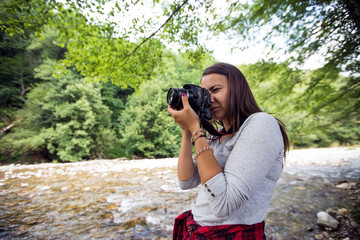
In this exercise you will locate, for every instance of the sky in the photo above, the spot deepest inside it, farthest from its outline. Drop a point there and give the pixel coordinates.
(222, 52)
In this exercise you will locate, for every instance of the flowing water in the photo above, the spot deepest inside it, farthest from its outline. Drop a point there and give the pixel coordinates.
(139, 199)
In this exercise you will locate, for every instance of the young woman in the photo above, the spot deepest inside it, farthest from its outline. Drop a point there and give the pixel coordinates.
(237, 172)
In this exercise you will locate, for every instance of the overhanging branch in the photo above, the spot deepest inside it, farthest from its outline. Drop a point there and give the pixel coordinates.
(353, 87)
(154, 33)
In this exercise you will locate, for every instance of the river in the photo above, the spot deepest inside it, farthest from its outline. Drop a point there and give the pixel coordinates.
(139, 199)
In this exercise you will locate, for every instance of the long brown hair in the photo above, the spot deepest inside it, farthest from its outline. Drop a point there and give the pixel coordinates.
(241, 101)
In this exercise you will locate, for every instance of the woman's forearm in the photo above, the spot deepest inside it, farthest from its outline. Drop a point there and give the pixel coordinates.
(185, 163)
(206, 161)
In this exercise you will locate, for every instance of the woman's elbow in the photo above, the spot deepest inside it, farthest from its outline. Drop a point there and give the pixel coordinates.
(222, 209)
(187, 185)
(184, 187)
(225, 207)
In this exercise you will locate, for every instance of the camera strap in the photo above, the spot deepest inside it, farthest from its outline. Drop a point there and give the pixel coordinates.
(212, 130)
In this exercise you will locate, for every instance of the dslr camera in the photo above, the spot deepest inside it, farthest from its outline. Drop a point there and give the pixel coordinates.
(199, 99)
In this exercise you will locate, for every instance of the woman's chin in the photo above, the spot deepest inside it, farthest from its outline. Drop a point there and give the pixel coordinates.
(216, 119)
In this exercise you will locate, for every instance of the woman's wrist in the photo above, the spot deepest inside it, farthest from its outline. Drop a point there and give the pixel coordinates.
(186, 134)
(194, 128)
(197, 134)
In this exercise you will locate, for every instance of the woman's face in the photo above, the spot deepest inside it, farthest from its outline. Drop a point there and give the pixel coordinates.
(218, 87)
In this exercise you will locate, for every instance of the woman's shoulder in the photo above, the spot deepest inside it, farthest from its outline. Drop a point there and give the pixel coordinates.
(260, 121)
(261, 116)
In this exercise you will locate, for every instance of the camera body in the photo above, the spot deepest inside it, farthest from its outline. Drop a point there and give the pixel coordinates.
(199, 99)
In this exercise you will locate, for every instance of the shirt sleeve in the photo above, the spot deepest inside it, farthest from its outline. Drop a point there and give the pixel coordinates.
(255, 151)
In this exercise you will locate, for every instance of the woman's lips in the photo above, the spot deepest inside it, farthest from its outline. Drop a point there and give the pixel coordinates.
(212, 109)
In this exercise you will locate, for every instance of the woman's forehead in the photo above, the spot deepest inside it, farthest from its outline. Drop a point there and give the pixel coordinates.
(212, 79)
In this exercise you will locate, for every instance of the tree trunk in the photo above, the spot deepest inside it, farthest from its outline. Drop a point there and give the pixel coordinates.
(23, 89)
(7, 128)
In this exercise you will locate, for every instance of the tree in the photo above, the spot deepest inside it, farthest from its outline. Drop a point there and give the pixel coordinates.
(15, 75)
(131, 55)
(327, 27)
(282, 91)
(64, 119)
(95, 48)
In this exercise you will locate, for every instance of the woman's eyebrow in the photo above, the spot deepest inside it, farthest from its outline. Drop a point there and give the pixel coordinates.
(214, 86)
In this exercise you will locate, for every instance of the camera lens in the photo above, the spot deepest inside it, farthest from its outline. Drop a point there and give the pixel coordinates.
(170, 96)
(174, 97)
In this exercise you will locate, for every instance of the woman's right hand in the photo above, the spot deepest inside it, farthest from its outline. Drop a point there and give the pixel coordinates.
(186, 118)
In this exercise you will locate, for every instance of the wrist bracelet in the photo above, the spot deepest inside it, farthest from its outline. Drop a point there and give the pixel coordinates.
(194, 133)
(193, 142)
(202, 150)
(199, 130)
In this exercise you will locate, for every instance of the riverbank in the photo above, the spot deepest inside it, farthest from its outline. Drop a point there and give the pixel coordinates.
(138, 199)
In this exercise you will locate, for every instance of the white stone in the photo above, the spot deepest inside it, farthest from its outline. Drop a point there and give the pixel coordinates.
(344, 186)
(327, 221)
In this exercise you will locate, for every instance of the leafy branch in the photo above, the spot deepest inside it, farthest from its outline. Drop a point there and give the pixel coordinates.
(349, 89)
(154, 33)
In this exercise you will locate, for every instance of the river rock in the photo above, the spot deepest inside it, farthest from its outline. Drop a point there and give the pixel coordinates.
(319, 236)
(342, 211)
(346, 185)
(326, 235)
(326, 221)
(331, 212)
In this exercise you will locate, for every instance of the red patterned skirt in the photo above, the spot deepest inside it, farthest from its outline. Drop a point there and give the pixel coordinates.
(186, 228)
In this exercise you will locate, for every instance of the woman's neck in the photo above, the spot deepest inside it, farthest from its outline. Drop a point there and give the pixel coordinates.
(227, 126)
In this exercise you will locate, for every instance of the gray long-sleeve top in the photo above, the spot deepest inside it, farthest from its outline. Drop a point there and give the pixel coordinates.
(252, 161)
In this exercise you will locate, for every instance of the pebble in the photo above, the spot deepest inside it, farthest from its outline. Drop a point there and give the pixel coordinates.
(326, 234)
(319, 236)
(342, 211)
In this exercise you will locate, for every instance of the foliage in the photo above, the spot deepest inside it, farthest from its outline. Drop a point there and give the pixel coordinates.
(96, 49)
(20, 53)
(283, 91)
(100, 56)
(85, 83)
(64, 118)
(22, 18)
(146, 127)
(328, 27)
(10, 88)
(15, 73)
(115, 98)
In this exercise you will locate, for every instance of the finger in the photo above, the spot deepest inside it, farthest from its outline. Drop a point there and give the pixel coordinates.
(185, 100)
(170, 110)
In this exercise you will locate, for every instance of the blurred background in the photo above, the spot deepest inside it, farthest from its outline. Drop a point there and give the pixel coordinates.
(88, 79)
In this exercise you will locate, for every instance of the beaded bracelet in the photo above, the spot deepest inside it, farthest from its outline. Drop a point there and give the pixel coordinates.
(202, 150)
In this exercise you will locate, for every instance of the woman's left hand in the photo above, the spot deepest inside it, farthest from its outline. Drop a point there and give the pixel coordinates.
(186, 118)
